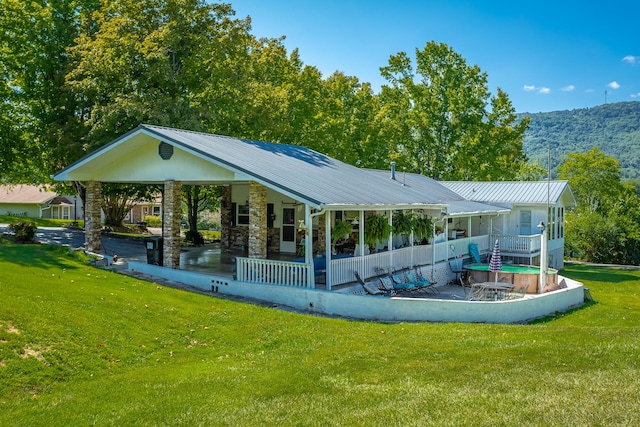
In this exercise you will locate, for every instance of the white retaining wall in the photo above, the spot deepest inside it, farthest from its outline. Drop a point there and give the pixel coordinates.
(384, 309)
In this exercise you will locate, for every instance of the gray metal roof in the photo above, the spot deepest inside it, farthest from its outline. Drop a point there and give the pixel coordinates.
(304, 174)
(513, 193)
(455, 203)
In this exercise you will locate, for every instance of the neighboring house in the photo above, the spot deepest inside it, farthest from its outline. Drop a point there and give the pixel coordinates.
(143, 209)
(37, 202)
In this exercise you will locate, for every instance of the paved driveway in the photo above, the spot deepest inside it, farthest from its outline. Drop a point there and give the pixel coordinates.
(127, 250)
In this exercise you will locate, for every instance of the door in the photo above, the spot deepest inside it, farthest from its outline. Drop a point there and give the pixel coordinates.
(525, 223)
(288, 231)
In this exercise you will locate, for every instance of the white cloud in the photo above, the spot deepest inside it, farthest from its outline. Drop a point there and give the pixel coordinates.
(635, 95)
(531, 88)
(590, 90)
(614, 85)
(631, 59)
(568, 88)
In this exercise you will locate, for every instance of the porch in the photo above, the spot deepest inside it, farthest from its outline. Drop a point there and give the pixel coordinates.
(432, 258)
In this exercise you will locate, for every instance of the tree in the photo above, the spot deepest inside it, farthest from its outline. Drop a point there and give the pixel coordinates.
(38, 116)
(438, 117)
(605, 226)
(118, 199)
(198, 198)
(594, 179)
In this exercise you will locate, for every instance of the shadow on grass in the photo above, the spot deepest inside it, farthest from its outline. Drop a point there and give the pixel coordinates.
(39, 255)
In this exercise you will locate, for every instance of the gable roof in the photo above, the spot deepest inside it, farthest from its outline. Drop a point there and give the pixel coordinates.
(514, 193)
(302, 173)
(25, 194)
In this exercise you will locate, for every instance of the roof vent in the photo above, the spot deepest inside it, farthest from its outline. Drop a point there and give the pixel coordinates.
(393, 170)
(165, 150)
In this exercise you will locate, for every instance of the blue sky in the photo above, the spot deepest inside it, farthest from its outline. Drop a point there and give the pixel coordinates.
(546, 55)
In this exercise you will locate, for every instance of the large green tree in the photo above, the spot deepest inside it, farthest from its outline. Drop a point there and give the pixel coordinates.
(42, 127)
(605, 226)
(444, 121)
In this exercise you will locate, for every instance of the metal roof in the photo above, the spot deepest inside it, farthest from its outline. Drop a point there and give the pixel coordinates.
(513, 193)
(456, 204)
(302, 173)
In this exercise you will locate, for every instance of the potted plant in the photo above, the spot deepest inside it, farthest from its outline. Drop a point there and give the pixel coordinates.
(376, 227)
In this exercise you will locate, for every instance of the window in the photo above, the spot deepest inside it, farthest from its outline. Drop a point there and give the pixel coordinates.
(156, 211)
(243, 214)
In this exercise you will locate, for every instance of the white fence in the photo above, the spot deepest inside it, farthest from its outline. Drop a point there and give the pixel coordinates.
(272, 272)
(518, 244)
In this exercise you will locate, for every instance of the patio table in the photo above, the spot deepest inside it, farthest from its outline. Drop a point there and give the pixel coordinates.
(497, 290)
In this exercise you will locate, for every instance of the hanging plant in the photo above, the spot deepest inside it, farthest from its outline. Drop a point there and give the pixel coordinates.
(341, 229)
(422, 227)
(403, 223)
(376, 227)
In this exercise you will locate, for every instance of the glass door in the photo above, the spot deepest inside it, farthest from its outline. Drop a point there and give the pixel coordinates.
(288, 237)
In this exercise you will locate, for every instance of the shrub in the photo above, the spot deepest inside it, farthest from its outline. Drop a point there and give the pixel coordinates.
(153, 221)
(24, 231)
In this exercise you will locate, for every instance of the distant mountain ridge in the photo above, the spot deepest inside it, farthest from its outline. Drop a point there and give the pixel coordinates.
(614, 128)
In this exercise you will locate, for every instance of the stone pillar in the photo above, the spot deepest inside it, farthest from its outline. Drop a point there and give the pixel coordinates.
(257, 220)
(171, 215)
(93, 216)
(225, 219)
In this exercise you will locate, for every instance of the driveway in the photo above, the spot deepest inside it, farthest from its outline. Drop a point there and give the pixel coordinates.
(127, 250)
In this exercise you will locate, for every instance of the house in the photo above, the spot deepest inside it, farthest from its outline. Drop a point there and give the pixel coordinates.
(531, 203)
(282, 199)
(33, 201)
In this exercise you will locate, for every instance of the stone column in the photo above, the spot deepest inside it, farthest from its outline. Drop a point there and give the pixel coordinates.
(257, 220)
(92, 216)
(225, 219)
(171, 215)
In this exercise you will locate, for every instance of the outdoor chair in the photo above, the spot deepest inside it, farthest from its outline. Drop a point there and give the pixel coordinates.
(369, 287)
(518, 292)
(397, 279)
(421, 283)
(456, 268)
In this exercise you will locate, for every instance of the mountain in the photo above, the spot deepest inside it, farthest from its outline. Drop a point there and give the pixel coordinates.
(613, 128)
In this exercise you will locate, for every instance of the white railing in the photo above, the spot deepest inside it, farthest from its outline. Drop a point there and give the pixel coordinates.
(272, 272)
(517, 244)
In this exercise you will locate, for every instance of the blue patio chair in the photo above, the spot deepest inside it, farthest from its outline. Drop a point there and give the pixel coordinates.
(421, 282)
(475, 253)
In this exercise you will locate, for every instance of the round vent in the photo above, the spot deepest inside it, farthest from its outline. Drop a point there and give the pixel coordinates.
(165, 150)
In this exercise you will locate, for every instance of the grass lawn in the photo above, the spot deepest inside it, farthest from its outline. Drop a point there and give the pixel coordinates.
(82, 346)
(40, 222)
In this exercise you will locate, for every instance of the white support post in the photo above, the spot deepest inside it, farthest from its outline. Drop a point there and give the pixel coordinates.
(390, 242)
(308, 245)
(544, 260)
(327, 249)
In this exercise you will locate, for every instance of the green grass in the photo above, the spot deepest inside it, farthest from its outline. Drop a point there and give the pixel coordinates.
(83, 346)
(40, 222)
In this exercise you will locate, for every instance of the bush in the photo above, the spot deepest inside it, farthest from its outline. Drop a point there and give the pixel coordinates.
(153, 221)
(24, 231)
